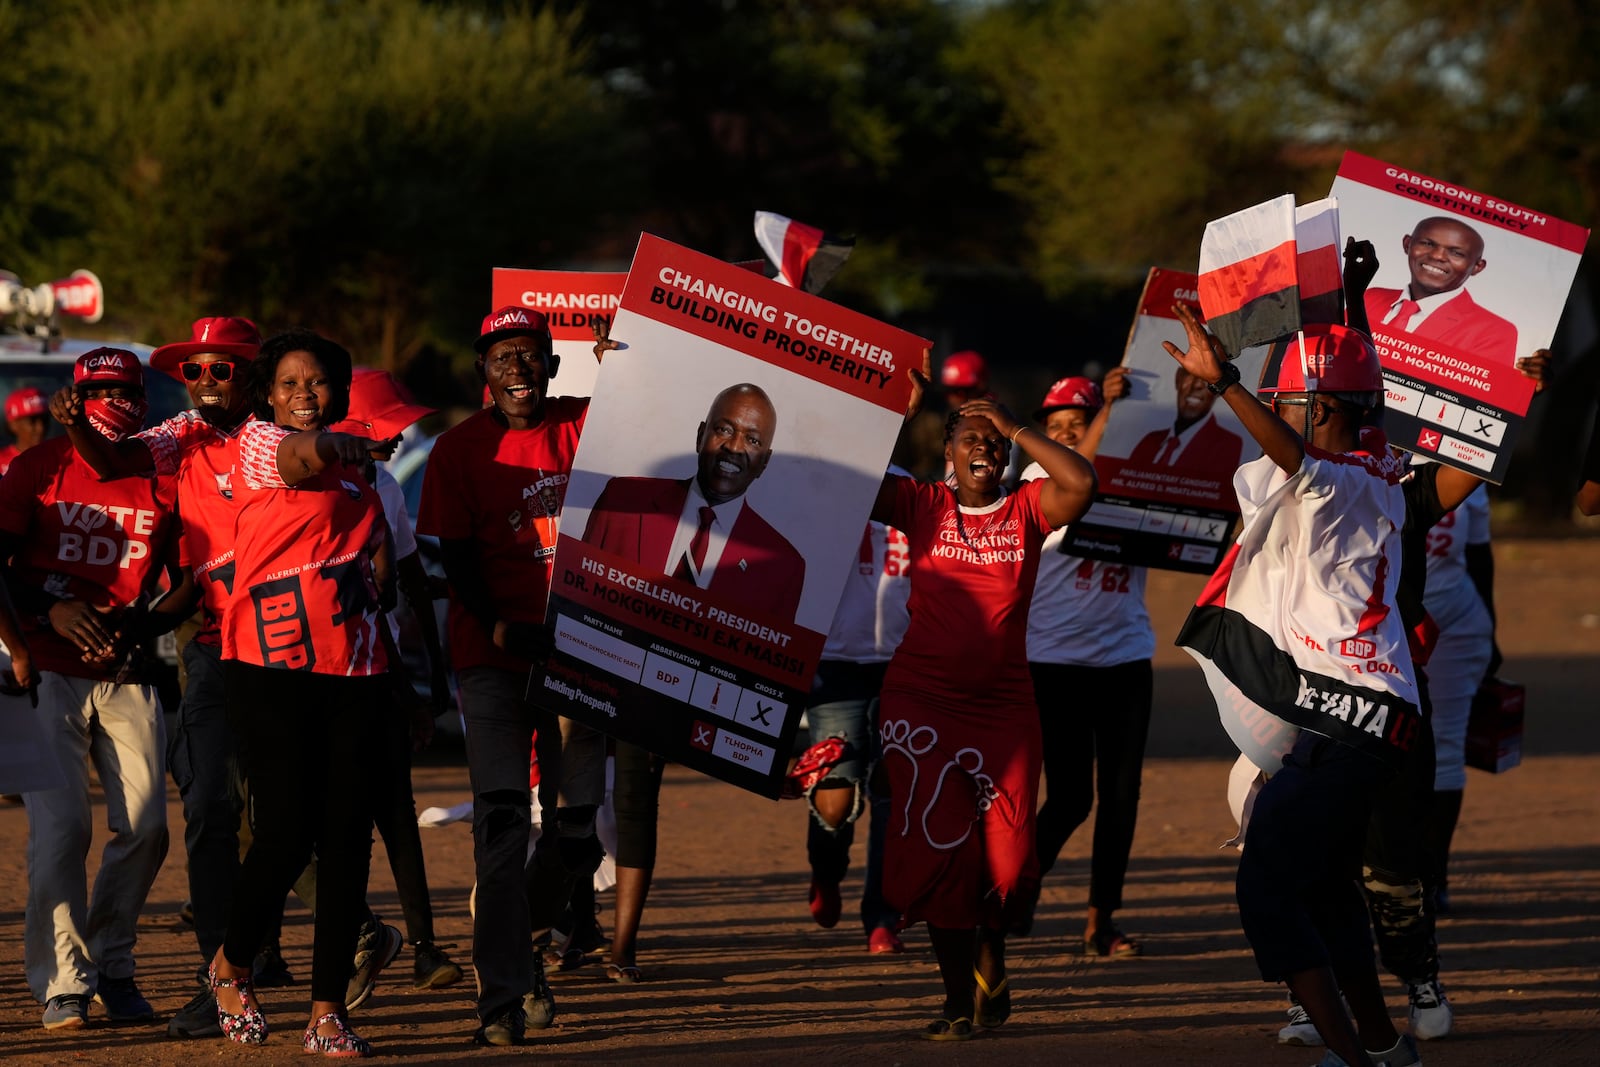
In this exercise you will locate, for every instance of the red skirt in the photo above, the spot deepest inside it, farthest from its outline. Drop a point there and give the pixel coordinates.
(964, 786)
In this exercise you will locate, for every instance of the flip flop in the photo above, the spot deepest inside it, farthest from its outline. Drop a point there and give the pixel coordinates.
(625, 973)
(948, 1030)
(993, 1006)
(1112, 944)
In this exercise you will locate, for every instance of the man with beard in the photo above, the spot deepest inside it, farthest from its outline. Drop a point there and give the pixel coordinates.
(701, 529)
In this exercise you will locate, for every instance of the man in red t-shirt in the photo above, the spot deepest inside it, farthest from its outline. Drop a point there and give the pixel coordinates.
(492, 494)
(26, 421)
(84, 557)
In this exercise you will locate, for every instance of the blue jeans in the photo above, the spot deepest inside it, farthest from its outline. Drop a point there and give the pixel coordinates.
(204, 763)
(845, 704)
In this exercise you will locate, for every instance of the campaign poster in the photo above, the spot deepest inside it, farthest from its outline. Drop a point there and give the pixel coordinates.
(1166, 462)
(573, 301)
(728, 464)
(1467, 283)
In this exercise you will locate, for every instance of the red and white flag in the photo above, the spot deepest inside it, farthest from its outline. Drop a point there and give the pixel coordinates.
(806, 257)
(1318, 262)
(1248, 279)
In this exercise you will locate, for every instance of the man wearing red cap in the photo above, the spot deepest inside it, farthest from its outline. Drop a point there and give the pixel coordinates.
(492, 494)
(26, 422)
(1089, 650)
(212, 365)
(86, 555)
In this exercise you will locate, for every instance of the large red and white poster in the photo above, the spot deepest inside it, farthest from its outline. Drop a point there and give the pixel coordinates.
(729, 461)
(1467, 283)
(1167, 459)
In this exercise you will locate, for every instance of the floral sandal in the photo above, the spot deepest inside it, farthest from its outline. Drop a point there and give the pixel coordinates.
(247, 1026)
(344, 1044)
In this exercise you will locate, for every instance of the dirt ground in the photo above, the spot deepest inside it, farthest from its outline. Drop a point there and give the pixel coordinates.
(736, 972)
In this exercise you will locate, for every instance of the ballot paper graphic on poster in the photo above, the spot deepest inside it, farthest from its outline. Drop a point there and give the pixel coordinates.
(729, 460)
(1467, 283)
(1166, 462)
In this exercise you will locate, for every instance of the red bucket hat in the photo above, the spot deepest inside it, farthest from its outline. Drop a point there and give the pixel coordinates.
(1073, 392)
(380, 406)
(510, 321)
(222, 334)
(108, 365)
(25, 403)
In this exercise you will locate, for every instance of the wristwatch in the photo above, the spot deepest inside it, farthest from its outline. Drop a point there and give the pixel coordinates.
(1230, 376)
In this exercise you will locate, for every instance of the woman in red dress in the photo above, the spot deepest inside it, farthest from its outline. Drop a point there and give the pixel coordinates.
(959, 725)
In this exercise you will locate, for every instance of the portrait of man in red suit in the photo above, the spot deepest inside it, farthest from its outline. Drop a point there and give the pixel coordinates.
(1195, 443)
(701, 529)
(1442, 253)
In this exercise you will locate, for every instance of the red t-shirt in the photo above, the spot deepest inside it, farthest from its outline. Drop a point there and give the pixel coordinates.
(8, 456)
(100, 542)
(304, 596)
(202, 456)
(972, 575)
(502, 490)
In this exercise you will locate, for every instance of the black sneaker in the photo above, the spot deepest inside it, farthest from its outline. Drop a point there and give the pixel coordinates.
(508, 1027)
(269, 970)
(376, 948)
(432, 968)
(198, 1018)
(122, 1001)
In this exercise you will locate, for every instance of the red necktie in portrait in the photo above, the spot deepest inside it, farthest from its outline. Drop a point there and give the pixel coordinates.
(697, 547)
(1165, 459)
(1402, 317)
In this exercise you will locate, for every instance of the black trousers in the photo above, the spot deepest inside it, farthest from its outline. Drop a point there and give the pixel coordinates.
(307, 750)
(395, 813)
(1095, 721)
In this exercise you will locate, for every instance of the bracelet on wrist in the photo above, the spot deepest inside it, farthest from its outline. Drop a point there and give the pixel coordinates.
(1017, 433)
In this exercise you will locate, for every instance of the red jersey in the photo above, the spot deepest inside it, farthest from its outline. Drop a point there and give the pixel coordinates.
(202, 456)
(972, 576)
(502, 490)
(304, 596)
(101, 542)
(8, 455)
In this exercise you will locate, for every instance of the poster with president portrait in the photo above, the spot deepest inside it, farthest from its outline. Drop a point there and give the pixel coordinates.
(1467, 283)
(728, 464)
(573, 301)
(1166, 462)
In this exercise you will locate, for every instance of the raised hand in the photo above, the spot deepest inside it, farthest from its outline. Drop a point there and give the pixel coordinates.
(1203, 360)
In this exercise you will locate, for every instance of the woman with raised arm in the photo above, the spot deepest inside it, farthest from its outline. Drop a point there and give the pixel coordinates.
(959, 726)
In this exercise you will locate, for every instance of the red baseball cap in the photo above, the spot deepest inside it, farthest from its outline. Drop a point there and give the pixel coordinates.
(1073, 392)
(964, 370)
(380, 406)
(25, 403)
(108, 365)
(510, 321)
(222, 334)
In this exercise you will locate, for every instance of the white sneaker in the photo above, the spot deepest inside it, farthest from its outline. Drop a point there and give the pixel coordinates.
(1300, 1031)
(1431, 1017)
(1404, 1054)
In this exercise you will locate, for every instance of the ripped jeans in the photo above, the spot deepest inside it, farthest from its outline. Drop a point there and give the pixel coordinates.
(845, 704)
